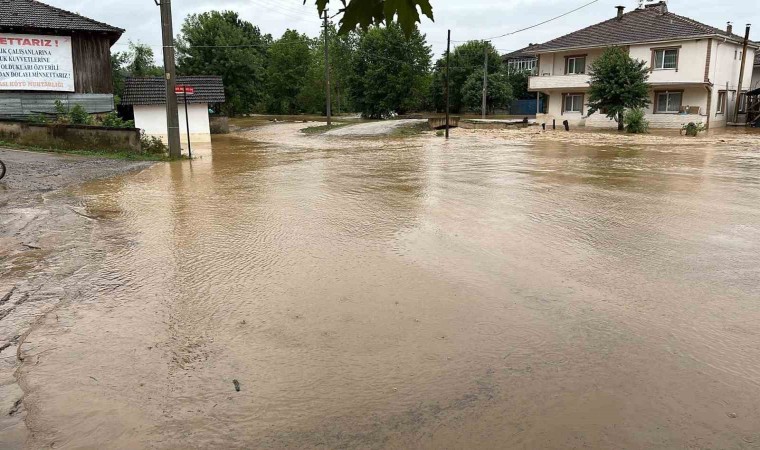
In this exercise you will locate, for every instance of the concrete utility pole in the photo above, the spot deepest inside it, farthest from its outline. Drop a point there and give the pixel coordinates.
(172, 111)
(327, 76)
(485, 79)
(741, 74)
(448, 104)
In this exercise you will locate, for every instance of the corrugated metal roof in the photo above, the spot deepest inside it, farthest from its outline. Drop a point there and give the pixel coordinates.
(649, 24)
(37, 15)
(152, 90)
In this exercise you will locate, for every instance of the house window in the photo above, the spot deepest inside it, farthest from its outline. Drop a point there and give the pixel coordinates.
(743, 102)
(575, 65)
(721, 102)
(574, 103)
(666, 59)
(668, 102)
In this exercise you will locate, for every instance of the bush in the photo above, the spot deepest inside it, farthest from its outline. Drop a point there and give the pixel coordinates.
(635, 122)
(80, 116)
(152, 145)
(114, 121)
(39, 119)
(693, 129)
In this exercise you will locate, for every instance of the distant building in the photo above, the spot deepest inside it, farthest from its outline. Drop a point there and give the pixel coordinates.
(521, 61)
(147, 97)
(694, 68)
(49, 54)
(756, 73)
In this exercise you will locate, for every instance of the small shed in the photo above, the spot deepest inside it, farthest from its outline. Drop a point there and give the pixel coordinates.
(48, 54)
(147, 98)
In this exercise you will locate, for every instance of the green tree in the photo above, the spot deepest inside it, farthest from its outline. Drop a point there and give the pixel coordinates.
(390, 71)
(364, 13)
(142, 61)
(499, 94)
(220, 43)
(618, 82)
(287, 70)
(519, 83)
(137, 61)
(342, 50)
(466, 59)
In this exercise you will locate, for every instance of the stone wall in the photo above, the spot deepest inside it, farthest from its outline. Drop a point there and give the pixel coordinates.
(71, 137)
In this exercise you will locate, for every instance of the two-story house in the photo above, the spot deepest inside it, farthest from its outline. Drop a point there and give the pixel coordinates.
(694, 68)
(756, 72)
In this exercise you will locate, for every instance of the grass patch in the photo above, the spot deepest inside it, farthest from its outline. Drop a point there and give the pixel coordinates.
(319, 129)
(106, 154)
(410, 130)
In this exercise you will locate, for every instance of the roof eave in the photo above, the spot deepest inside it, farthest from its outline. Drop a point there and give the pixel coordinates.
(754, 45)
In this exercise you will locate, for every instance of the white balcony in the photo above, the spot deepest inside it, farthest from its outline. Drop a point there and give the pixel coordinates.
(546, 82)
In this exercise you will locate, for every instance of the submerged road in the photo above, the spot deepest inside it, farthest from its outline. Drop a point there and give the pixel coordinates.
(290, 291)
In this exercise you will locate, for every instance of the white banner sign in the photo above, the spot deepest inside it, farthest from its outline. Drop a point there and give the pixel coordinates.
(36, 63)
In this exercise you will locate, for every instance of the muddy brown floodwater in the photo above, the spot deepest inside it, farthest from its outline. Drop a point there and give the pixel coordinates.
(411, 293)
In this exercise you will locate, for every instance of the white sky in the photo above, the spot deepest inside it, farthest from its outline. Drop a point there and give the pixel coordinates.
(468, 19)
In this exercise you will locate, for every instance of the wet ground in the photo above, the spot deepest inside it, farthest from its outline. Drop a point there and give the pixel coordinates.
(486, 292)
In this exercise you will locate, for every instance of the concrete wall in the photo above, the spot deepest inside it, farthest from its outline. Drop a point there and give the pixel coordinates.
(695, 96)
(553, 64)
(692, 57)
(152, 119)
(71, 137)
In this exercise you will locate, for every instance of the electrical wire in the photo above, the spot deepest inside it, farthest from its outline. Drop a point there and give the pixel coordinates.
(536, 25)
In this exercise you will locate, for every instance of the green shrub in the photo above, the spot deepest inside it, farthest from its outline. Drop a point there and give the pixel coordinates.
(152, 145)
(38, 119)
(114, 121)
(693, 129)
(635, 121)
(79, 116)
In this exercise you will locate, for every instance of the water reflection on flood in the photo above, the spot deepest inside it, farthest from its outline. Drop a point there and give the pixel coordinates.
(414, 294)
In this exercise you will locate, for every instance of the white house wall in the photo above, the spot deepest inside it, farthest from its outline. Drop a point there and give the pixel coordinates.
(693, 68)
(152, 119)
(691, 61)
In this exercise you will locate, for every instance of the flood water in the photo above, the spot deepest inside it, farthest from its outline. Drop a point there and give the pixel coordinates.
(412, 294)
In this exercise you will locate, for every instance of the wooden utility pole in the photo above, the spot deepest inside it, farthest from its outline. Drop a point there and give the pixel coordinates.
(448, 105)
(741, 74)
(485, 79)
(327, 76)
(170, 76)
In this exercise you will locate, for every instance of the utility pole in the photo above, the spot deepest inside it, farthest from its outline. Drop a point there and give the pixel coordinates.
(741, 74)
(170, 75)
(448, 105)
(485, 78)
(327, 76)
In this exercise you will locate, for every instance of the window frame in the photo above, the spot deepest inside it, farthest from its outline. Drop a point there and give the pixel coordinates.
(742, 99)
(657, 95)
(575, 58)
(566, 95)
(722, 105)
(664, 50)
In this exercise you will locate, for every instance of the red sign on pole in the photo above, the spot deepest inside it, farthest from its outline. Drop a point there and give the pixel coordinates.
(183, 89)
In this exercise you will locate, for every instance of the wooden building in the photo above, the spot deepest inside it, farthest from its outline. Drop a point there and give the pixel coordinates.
(49, 54)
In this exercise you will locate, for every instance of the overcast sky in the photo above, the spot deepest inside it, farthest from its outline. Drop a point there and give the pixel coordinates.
(468, 19)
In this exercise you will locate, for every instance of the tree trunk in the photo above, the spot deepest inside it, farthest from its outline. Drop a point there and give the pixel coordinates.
(621, 125)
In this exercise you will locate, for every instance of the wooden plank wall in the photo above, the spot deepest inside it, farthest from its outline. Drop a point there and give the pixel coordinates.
(92, 64)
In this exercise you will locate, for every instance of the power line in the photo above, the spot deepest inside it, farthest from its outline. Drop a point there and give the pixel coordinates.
(536, 25)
